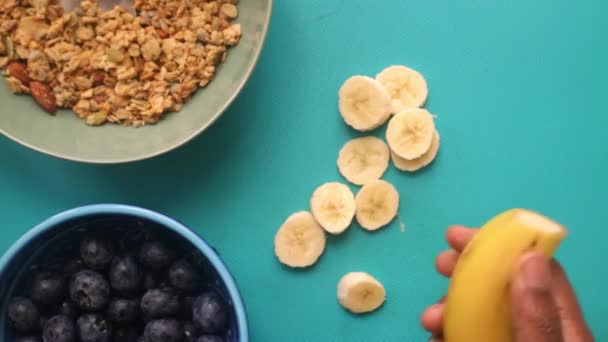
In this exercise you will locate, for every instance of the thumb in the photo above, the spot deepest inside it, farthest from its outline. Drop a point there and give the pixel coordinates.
(534, 312)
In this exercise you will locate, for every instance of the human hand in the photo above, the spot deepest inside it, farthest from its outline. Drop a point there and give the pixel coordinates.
(543, 304)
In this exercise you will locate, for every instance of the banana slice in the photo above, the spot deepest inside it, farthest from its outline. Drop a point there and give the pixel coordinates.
(377, 204)
(359, 292)
(300, 241)
(364, 103)
(420, 162)
(410, 133)
(406, 87)
(363, 160)
(333, 205)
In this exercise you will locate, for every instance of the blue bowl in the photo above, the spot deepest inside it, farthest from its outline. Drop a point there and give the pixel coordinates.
(45, 244)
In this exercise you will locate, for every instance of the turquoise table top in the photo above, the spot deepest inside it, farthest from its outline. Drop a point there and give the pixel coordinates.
(519, 91)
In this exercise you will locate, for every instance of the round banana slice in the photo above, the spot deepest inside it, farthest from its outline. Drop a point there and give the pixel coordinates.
(364, 103)
(420, 162)
(359, 292)
(406, 87)
(300, 241)
(333, 205)
(410, 133)
(377, 204)
(363, 160)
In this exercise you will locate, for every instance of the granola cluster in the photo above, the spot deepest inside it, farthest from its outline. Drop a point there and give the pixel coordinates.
(115, 66)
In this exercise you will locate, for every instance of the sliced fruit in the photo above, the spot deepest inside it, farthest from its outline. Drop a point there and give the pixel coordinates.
(363, 160)
(406, 87)
(359, 292)
(420, 162)
(333, 205)
(477, 305)
(300, 241)
(364, 103)
(377, 204)
(410, 133)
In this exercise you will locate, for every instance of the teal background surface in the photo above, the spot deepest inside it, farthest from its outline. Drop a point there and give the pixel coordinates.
(519, 89)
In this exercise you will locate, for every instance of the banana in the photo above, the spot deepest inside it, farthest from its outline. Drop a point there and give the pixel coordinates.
(363, 160)
(359, 292)
(300, 241)
(410, 133)
(477, 307)
(364, 103)
(420, 162)
(406, 87)
(333, 205)
(377, 204)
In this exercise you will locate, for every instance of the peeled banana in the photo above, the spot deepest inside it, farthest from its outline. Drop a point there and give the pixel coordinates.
(377, 204)
(333, 205)
(420, 162)
(359, 292)
(364, 103)
(300, 241)
(477, 306)
(406, 87)
(410, 133)
(362, 160)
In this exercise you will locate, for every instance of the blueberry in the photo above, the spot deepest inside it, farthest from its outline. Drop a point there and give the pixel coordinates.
(210, 338)
(191, 332)
(210, 313)
(48, 288)
(68, 308)
(157, 303)
(23, 315)
(155, 255)
(183, 276)
(124, 274)
(59, 329)
(96, 253)
(93, 328)
(89, 290)
(123, 310)
(125, 334)
(163, 330)
(28, 339)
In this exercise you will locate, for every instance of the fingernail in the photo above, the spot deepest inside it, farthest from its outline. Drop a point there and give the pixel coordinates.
(535, 271)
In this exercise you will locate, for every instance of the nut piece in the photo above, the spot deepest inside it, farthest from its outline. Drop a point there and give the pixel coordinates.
(44, 96)
(96, 119)
(229, 10)
(98, 78)
(19, 71)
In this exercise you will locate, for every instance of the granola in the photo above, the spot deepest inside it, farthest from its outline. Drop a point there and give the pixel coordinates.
(114, 66)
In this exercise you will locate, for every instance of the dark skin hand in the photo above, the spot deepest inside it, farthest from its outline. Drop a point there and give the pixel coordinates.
(543, 303)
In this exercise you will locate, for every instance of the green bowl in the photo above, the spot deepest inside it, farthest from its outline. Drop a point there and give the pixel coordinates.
(66, 136)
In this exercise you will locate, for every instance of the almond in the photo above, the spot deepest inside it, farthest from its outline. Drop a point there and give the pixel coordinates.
(19, 71)
(43, 95)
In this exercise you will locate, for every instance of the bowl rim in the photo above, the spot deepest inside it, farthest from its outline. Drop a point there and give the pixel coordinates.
(165, 221)
(250, 68)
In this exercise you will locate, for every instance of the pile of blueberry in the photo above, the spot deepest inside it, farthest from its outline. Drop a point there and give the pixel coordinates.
(109, 295)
